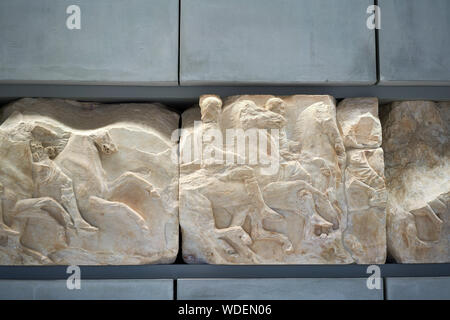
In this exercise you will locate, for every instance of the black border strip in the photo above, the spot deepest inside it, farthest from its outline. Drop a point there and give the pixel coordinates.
(179, 271)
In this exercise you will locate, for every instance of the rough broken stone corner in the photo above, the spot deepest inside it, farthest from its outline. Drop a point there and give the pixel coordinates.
(93, 184)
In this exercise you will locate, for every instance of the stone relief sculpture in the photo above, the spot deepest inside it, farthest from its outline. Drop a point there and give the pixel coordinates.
(83, 183)
(365, 190)
(261, 180)
(417, 152)
(314, 194)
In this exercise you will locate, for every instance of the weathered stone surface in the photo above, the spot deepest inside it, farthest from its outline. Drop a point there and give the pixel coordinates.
(359, 123)
(417, 155)
(365, 190)
(82, 183)
(308, 199)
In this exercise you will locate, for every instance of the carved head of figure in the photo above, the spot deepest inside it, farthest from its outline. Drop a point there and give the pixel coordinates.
(210, 106)
(276, 105)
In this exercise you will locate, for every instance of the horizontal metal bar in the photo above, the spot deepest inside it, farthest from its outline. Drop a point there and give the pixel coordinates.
(184, 96)
(176, 271)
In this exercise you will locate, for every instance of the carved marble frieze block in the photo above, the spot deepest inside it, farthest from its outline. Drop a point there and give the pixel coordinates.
(87, 184)
(416, 142)
(282, 180)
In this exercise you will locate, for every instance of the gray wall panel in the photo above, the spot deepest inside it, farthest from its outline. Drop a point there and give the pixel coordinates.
(125, 42)
(90, 289)
(276, 42)
(432, 288)
(414, 42)
(276, 289)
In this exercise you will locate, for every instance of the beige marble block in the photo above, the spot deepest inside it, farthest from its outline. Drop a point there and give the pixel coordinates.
(87, 184)
(417, 156)
(365, 189)
(313, 194)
